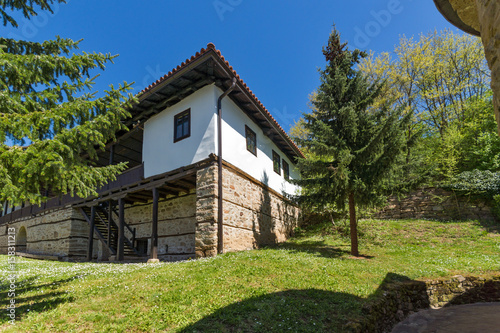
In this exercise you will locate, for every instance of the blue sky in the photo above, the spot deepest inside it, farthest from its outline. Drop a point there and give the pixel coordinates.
(274, 45)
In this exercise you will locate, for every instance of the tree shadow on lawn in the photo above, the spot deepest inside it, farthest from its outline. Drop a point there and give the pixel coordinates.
(488, 225)
(319, 249)
(35, 303)
(308, 310)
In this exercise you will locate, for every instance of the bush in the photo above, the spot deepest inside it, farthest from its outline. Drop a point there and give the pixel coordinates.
(483, 183)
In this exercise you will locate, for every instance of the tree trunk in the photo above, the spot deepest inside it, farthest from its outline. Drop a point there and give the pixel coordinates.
(354, 226)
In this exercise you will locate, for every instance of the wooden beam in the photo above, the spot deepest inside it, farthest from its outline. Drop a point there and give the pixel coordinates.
(121, 229)
(175, 187)
(90, 243)
(134, 198)
(110, 217)
(166, 191)
(154, 232)
(186, 183)
(126, 148)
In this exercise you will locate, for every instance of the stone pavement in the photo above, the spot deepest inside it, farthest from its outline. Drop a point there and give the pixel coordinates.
(470, 318)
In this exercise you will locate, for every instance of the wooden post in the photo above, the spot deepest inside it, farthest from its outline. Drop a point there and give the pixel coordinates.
(111, 154)
(91, 234)
(121, 227)
(353, 225)
(154, 233)
(110, 216)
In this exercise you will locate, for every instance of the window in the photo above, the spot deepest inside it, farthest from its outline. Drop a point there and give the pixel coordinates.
(251, 140)
(276, 163)
(286, 170)
(182, 125)
(142, 246)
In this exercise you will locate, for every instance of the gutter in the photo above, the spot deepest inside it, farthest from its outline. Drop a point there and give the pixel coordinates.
(220, 215)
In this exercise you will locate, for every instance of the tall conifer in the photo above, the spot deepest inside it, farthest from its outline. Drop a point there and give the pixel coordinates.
(351, 146)
(49, 118)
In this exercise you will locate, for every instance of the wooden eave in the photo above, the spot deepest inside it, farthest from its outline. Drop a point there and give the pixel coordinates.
(209, 68)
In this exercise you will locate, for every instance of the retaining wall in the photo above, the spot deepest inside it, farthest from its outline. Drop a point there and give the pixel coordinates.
(395, 301)
(436, 204)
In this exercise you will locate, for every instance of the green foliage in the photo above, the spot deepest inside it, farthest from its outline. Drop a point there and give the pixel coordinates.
(26, 7)
(51, 125)
(443, 79)
(480, 143)
(479, 182)
(466, 145)
(350, 145)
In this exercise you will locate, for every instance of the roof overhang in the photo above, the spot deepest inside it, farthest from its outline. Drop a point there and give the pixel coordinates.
(460, 13)
(209, 67)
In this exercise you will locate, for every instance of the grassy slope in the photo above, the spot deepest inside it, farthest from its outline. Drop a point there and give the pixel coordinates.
(309, 284)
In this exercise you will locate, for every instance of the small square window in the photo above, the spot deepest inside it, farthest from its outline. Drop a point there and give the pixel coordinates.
(286, 170)
(142, 246)
(276, 163)
(251, 140)
(182, 125)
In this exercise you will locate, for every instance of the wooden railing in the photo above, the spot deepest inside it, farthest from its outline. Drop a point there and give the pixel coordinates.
(130, 176)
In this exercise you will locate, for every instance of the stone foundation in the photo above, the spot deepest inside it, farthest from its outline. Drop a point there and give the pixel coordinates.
(436, 204)
(61, 233)
(254, 215)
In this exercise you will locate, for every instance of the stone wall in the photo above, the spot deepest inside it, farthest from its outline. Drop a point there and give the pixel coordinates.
(395, 301)
(489, 18)
(437, 204)
(206, 212)
(61, 232)
(254, 215)
(176, 225)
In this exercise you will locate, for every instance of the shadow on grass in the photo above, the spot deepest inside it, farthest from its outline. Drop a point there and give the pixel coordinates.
(318, 248)
(490, 226)
(308, 310)
(35, 303)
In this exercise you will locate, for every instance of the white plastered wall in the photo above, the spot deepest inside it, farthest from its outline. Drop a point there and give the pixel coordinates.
(234, 149)
(161, 154)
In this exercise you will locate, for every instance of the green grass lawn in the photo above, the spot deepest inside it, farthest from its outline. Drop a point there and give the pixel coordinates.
(309, 284)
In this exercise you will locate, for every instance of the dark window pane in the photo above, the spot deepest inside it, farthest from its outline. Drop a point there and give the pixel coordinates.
(182, 125)
(286, 170)
(276, 163)
(251, 138)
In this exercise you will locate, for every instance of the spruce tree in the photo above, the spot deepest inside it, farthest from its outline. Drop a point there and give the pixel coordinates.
(49, 118)
(351, 146)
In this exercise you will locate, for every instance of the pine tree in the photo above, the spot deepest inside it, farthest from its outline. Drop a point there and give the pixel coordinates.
(49, 118)
(351, 146)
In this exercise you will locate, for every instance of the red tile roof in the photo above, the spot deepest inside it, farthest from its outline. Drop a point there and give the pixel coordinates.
(202, 52)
